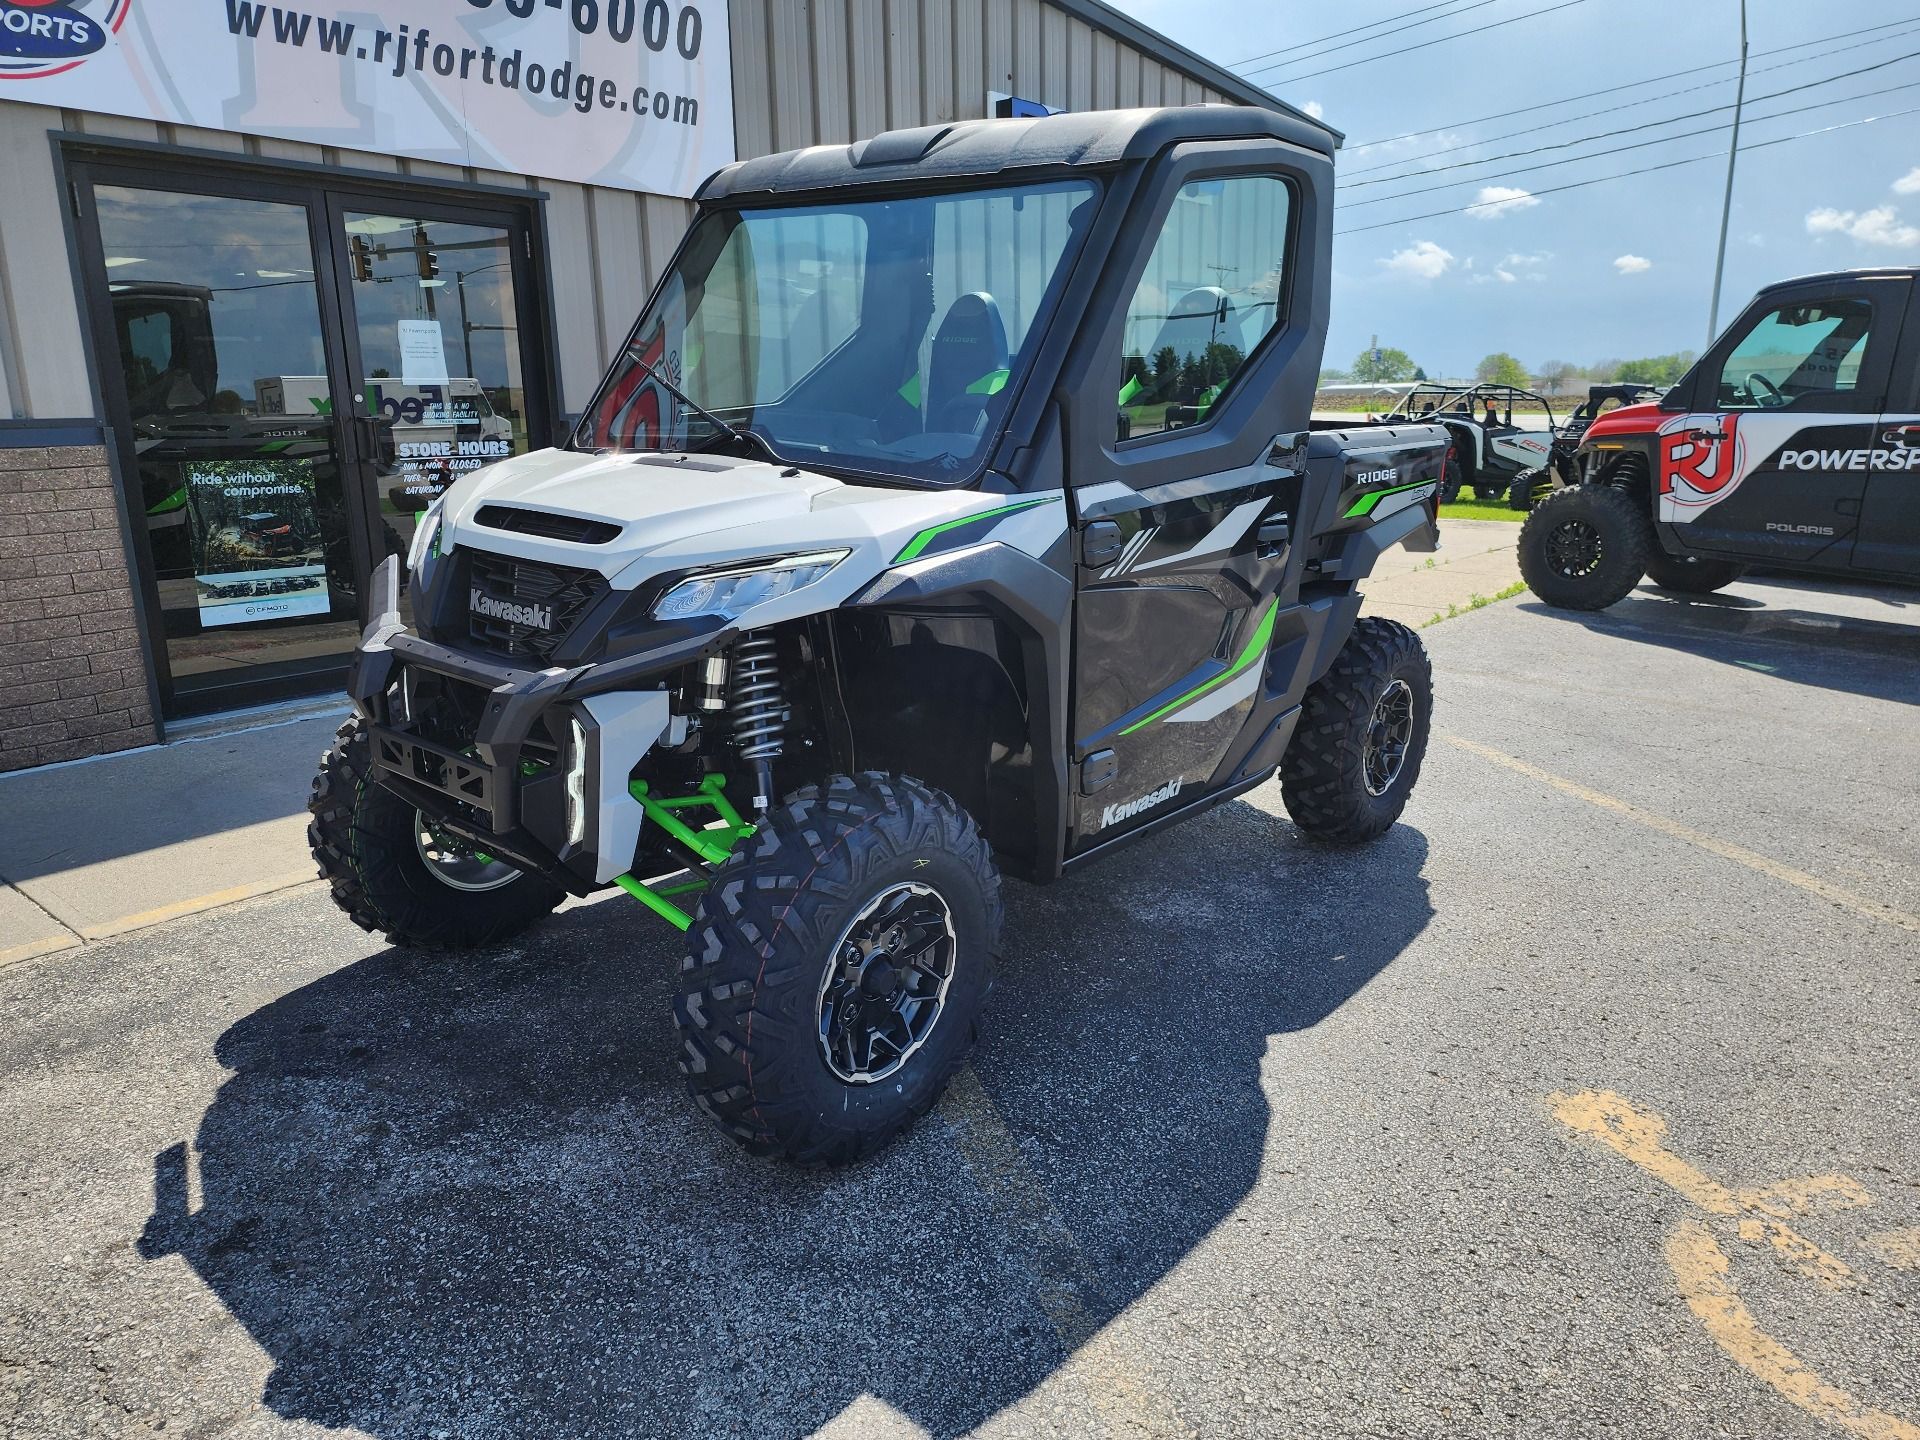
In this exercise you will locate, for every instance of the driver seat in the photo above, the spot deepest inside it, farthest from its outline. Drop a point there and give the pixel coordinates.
(968, 365)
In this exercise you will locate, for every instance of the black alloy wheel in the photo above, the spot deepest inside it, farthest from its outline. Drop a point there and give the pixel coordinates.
(887, 986)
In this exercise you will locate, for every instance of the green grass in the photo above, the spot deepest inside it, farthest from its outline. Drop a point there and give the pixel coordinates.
(1481, 510)
(1477, 602)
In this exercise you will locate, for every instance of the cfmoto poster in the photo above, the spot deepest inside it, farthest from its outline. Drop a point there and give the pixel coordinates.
(256, 540)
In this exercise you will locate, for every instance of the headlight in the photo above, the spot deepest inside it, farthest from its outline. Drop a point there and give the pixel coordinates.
(732, 592)
(426, 539)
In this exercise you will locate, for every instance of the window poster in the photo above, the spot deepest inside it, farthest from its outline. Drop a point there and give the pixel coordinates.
(255, 533)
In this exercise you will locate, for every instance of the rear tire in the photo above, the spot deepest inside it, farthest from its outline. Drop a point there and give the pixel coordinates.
(1691, 577)
(1363, 728)
(1585, 548)
(803, 951)
(1520, 496)
(366, 841)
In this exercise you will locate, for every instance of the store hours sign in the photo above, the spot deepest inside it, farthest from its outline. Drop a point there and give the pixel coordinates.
(634, 94)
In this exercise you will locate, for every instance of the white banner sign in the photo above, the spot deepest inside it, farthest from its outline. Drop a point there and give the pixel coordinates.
(635, 94)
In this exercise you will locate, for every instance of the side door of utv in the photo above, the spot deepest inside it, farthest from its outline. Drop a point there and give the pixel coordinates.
(1185, 396)
(1770, 459)
(1889, 540)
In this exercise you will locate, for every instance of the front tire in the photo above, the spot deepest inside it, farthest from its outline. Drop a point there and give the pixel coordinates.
(1585, 548)
(1362, 735)
(1691, 577)
(838, 965)
(395, 874)
(1451, 481)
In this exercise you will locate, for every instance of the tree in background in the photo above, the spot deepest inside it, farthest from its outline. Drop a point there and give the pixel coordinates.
(1654, 369)
(1335, 377)
(1552, 375)
(1501, 368)
(1419, 373)
(1392, 365)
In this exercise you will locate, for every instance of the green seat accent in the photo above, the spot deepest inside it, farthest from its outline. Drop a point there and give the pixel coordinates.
(1129, 390)
(171, 503)
(991, 383)
(910, 392)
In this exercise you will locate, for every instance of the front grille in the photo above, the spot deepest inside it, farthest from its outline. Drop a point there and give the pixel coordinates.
(547, 525)
(559, 591)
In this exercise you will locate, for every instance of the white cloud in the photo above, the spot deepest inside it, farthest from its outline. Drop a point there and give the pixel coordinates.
(1879, 226)
(1422, 260)
(1632, 264)
(1319, 111)
(1909, 183)
(1505, 276)
(1525, 262)
(1497, 200)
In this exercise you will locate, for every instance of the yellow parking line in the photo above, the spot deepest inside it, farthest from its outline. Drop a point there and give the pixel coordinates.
(34, 949)
(213, 900)
(1712, 844)
(1112, 1370)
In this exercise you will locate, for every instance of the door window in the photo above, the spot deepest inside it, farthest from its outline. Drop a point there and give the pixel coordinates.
(436, 316)
(214, 307)
(1802, 348)
(1212, 291)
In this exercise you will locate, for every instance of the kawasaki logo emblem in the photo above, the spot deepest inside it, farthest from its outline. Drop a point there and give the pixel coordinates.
(537, 617)
(1126, 810)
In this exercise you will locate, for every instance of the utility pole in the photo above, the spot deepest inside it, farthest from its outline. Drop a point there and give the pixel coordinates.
(1726, 205)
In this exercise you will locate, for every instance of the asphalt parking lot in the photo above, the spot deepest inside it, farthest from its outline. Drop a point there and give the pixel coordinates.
(1581, 1104)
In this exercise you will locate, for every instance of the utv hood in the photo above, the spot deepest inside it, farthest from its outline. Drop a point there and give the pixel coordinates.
(654, 499)
(1627, 420)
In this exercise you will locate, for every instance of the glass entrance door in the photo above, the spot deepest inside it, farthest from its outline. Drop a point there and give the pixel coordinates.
(294, 370)
(434, 353)
(219, 351)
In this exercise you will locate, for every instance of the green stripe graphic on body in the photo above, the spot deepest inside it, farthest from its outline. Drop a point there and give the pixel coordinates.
(1256, 647)
(1364, 505)
(927, 536)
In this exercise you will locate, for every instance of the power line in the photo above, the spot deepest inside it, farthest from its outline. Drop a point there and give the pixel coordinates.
(1428, 44)
(1627, 174)
(1309, 44)
(1366, 40)
(1634, 129)
(1621, 149)
(1604, 110)
(1631, 85)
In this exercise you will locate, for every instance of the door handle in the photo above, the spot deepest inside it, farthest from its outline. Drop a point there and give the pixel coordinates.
(372, 438)
(1274, 533)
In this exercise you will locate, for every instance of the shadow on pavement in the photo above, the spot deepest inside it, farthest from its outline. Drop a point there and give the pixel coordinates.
(466, 1195)
(1774, 635)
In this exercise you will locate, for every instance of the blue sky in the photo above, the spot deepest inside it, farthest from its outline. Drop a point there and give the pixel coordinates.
(1617, 269)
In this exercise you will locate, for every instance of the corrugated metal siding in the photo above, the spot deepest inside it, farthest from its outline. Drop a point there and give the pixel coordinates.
(806, 72)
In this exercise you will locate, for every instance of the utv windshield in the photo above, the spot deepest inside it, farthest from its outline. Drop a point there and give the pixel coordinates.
(873, 335)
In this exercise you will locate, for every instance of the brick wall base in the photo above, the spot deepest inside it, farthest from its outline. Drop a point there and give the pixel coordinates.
(73, 678)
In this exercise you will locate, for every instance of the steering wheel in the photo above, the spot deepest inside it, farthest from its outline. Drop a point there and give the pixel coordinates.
(1773, 399)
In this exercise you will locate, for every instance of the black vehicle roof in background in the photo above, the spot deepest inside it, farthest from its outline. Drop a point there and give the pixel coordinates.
(1869, 272)
(1076, 140)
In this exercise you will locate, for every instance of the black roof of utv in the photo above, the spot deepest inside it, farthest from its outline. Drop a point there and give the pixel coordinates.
(990, 147)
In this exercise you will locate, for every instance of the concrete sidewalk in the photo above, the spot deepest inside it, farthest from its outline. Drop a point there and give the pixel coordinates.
(100, 847)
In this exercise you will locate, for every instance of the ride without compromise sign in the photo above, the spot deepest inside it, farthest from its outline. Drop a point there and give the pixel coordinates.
(632, 94)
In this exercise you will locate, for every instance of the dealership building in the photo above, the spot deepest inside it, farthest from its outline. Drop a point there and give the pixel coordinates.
(272, 276)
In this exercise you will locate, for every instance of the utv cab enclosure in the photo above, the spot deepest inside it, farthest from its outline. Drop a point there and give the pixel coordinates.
(951, 508)
(1793, 443)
